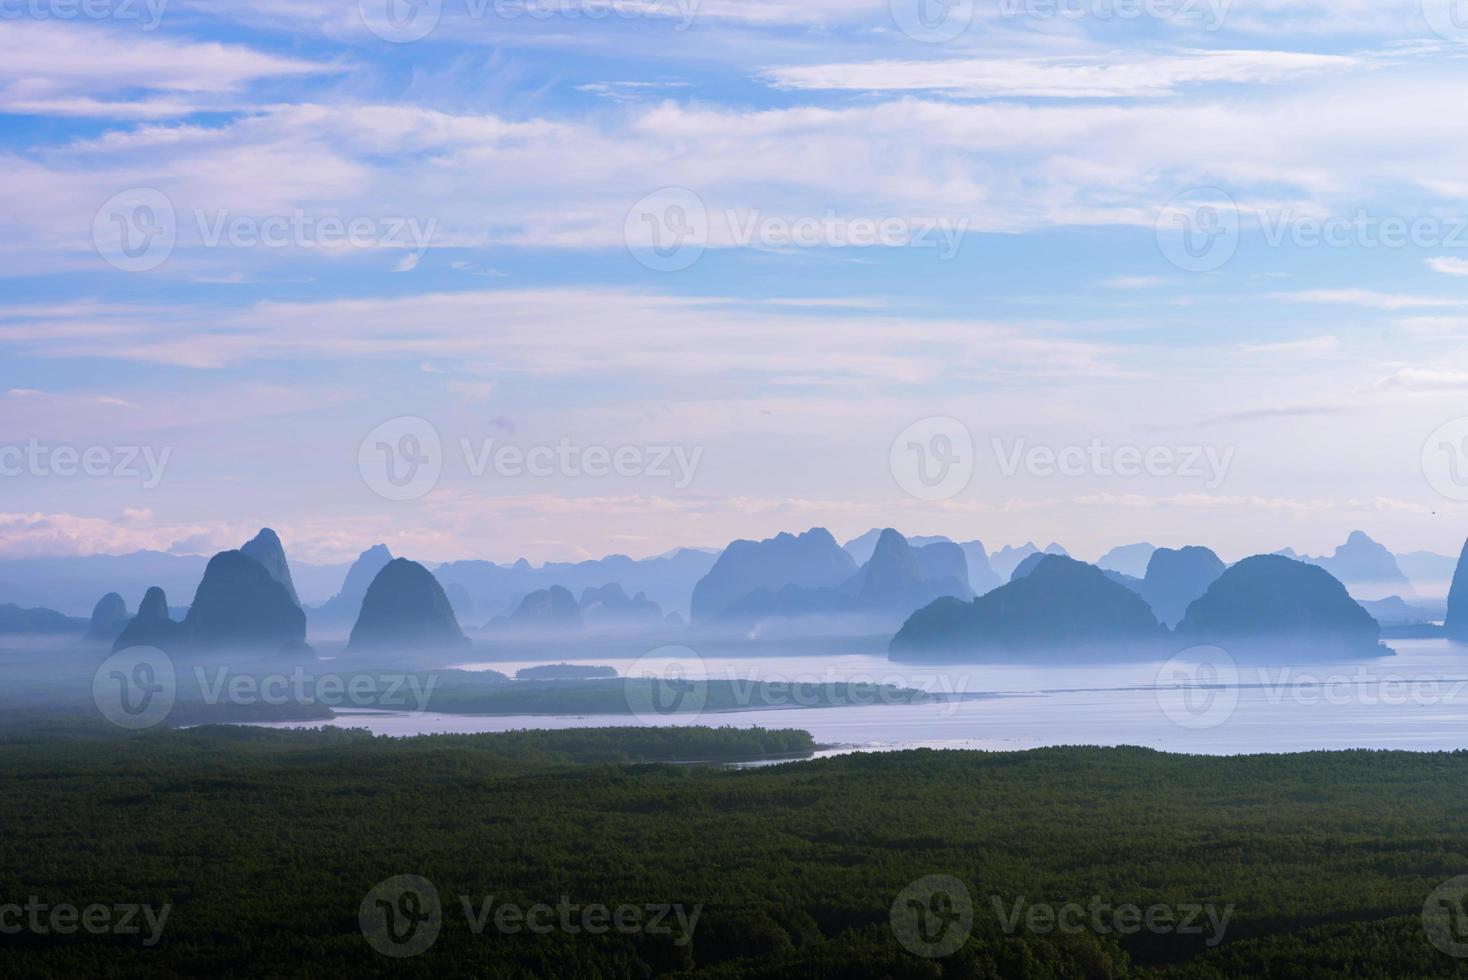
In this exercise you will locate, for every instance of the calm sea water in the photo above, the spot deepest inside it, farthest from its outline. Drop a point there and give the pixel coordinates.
(1199, 703)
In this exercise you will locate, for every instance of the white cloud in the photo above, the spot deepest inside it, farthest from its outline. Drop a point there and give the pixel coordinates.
(1118, 75)
(1448, 266)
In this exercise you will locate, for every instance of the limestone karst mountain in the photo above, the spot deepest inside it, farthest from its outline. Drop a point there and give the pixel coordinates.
(1176, 577)
(812, 560)
(1274, 607)
(405, 608)
(109, 618)
(152, 626)
(239, 604)
(1062, 607)
(265, 548)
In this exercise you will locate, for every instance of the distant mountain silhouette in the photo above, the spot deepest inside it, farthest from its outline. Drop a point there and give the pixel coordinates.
(14, 619)
(553, 609)
(239, 604)
(1396, 611)
(265, 548)
(1366, 568)
(346, 605)
(1456, 625)
(109, 618)
(406, 609)
(1129, 559)
(897, 579)
(1428, 571)
(981, 575)
(1025, 567)
(152, 626)
(1175, 577)
(812, 560)
(860, 548)
(1062, 607)
(610, 607)
(1007, 559)
(1270, 606)
(667, 579)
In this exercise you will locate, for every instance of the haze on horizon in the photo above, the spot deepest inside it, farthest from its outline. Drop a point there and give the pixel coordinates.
(873, 231)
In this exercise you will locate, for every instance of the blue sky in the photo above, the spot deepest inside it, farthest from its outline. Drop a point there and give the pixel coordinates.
(994, 196)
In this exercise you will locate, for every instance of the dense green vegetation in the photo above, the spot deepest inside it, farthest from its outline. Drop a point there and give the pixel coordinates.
(266, 844)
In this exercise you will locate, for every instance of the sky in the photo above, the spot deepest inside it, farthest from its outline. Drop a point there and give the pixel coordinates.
(563, 278)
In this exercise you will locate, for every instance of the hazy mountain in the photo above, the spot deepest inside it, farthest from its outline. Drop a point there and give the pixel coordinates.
(1456, 625)
(897, 579)
(1429, 572)
(981, 575)
(240, 604)
(1396, 611)
(1129, 559)
(1365, 567)
(152, 626)
(1027, 565)
(609, 606)
(14, 619)
(811, 560)
(1062, 607)
(72, 583)
(553, 609)
(1176, 577)
(860, 548)
(1007, 559)
(346, 605)
(405, 609)
(667, 580)
(109, 618)
(1277, 608)
(265, 548)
